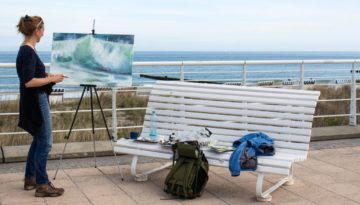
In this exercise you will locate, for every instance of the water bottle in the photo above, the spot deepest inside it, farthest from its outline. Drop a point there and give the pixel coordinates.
(153, 132)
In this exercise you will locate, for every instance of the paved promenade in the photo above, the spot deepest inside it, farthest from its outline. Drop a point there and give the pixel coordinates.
(331, 175)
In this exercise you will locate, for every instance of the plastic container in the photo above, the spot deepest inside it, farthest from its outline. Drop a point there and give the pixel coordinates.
(153, 128)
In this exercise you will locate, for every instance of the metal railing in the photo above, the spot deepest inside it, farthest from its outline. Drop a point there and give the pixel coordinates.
(300, 82)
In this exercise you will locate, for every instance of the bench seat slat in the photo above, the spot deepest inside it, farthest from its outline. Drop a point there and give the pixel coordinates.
(141, 152)
(291, 145)
(229, 135)
(229, 125)
(260, 168)
(274, 170)
(289, 154)
(275, 136)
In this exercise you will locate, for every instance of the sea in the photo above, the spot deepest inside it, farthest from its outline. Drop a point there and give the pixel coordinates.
(218, 73)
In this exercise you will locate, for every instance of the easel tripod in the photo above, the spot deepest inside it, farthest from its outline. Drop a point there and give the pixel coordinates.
(90, 88)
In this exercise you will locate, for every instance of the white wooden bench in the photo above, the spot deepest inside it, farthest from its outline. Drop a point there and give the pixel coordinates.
(230, 112)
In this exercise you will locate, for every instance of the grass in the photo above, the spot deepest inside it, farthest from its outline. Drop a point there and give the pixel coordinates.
(135, 117)
(83, 120)
(333, 108)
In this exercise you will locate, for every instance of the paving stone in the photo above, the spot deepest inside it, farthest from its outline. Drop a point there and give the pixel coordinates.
(320, 179)
(19, 196)
(300, 202)
(204, 201)
(347, 176)
(283, 196)
(112, 199)
(299, 182)
(12, 186)
(60, 174)
(301, 170)
(71, 194)
(83, 172)
(354, 197)
(143, 192)
(329, 176)
(334, 200)
(11, 177)
(96, 186)
(311, 162)
(328, 168)
(112, 170)
(312, 192)
(244, 176)
(344, 188)
(229, 192)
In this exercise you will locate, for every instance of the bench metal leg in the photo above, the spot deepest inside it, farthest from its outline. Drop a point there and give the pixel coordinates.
(262, 196)
(144, 175)
(265, 196)
(291, 179)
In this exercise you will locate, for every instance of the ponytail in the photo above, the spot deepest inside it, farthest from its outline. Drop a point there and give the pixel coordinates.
(28, 24)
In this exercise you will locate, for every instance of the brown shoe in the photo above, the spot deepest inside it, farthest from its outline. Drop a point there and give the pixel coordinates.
(30, 183)
(46, 190)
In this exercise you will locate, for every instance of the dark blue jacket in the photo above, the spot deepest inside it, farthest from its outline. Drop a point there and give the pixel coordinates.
(29, 66)
(247, 149)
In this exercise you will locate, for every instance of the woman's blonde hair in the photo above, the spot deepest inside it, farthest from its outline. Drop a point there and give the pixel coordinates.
(28, 24)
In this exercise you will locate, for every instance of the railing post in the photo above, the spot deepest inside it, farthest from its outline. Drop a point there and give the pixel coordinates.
(301, 83)
(114, 116)
(244, 74)
(182, 71)
(352, 118)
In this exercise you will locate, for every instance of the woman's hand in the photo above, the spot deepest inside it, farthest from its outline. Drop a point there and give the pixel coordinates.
(56, 78)
(49, 74)
(37, 82)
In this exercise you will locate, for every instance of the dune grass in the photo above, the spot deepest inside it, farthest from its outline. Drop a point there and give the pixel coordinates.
(83, 120)
(333, 108)
(135, 117)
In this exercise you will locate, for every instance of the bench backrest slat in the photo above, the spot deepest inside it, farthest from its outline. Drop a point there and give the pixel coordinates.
(231, 87)
(233, 111)
(253, 106)
(169, 115)
(231, 125)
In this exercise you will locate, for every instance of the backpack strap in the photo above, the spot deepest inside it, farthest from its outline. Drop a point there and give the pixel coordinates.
(173, 148)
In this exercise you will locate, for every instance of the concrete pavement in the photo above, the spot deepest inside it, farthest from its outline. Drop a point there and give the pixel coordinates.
(331, 175)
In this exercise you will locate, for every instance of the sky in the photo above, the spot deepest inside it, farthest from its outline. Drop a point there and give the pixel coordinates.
(196, 25)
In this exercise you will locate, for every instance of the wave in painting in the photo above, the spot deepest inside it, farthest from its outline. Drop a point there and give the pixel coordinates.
(93, 59)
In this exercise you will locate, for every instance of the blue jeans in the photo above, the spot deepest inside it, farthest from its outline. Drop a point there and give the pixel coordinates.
(40, 146)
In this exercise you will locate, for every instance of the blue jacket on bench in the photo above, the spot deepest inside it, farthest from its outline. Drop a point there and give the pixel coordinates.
(247, 149)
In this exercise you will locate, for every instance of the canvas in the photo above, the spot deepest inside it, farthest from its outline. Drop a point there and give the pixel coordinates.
(99, 59)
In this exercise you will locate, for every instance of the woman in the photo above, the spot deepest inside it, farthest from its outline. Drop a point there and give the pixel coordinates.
(35, 118)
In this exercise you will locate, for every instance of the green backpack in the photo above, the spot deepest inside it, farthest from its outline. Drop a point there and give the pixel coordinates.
(189, 175)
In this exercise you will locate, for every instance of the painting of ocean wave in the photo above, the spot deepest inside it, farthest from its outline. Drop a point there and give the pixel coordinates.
(99, 59)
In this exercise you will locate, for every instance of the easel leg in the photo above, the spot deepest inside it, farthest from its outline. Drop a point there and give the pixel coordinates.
(61, 156)
(89, 88)
(108, 132)
(92, 123)
(68, 135)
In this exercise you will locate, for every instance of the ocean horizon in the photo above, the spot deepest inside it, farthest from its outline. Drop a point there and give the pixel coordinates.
(10, 56)
(321, 71)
